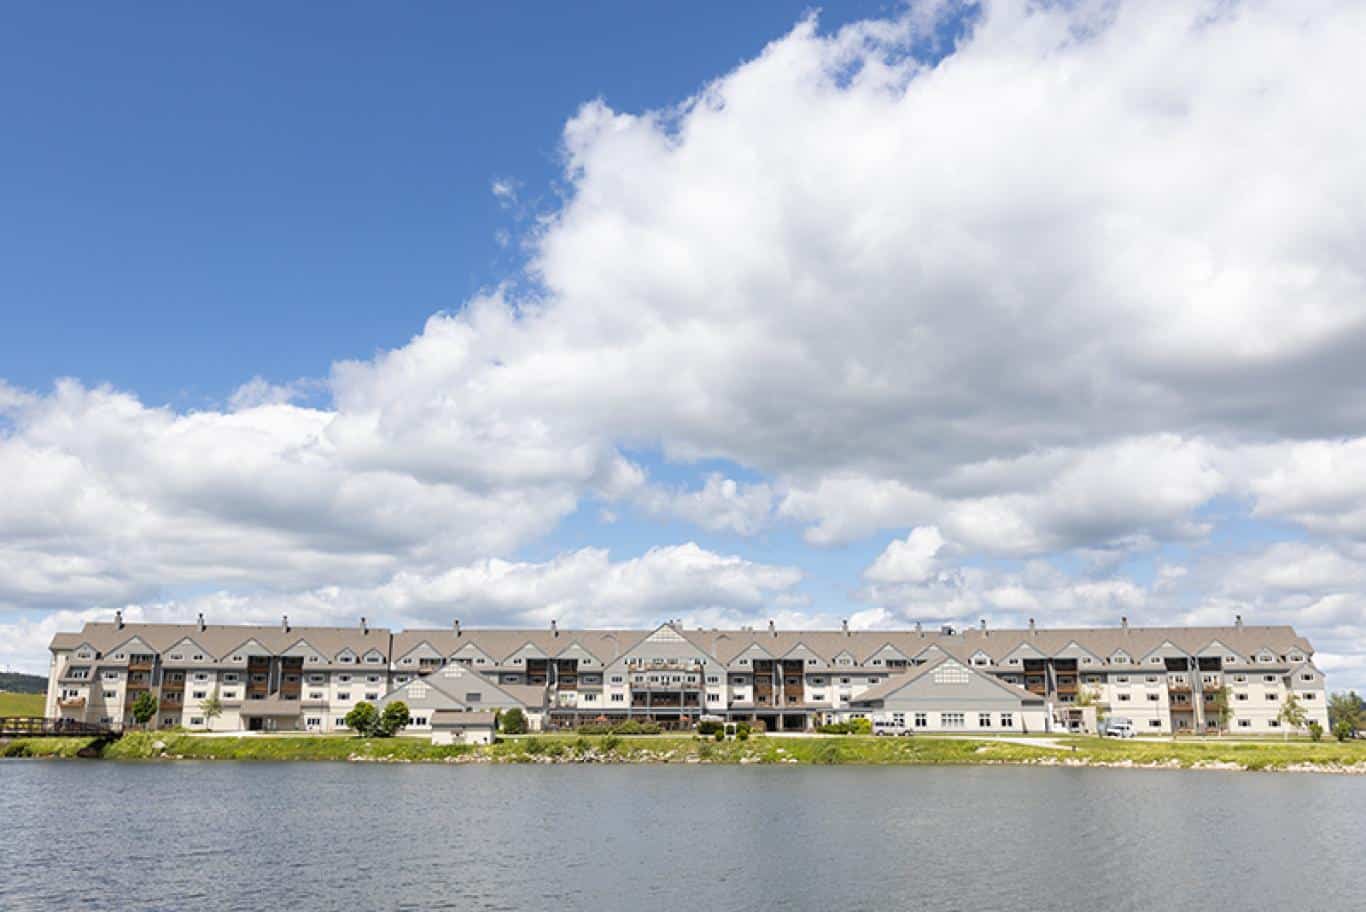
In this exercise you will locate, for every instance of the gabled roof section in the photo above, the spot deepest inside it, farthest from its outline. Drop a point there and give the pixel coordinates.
(1166, 650)
(130, 645)
(804, 652)
(1074, 650)
(303, 649)
(586, 659)
(187, 646)
(422, 649)
(884, 653)
(749, 654)
(1023, 651)
(1217, 648)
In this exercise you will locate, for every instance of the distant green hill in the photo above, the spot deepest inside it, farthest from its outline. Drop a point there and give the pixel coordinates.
(22, 683)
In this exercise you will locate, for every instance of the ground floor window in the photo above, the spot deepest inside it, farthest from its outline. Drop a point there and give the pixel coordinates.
(167, 721)
(196, 720)
(951, 720)
(313, 722)
(341, 722)
(922, 720)
(1244, 723)
(984, 720)
(1154, 723)
(1274, 723)
(1007, 720)
(899, 720)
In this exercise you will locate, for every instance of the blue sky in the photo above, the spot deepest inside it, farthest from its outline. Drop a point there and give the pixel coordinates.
(196, 193)
(613, 312)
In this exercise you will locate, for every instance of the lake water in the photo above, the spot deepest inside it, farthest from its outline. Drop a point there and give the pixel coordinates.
(177, 836)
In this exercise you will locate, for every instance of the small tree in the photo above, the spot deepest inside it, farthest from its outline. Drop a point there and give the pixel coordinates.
(394, 718)
(513, 721)
(362, 719)
(144, 708)
(1342, 731)
(1345, 709)
(212, 707)
(1315, 731)
(1292, 714)
(1221, 707)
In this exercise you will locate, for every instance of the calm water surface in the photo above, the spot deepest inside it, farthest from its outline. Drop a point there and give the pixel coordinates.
(104, 835)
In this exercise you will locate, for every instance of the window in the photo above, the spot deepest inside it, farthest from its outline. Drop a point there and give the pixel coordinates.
(200, 676)
(1306, 677)
(418, 720)
(1122, 679)
(373, 679)
(922, 720)
(111, 694)
(1007, 720)
(229, 695)
(951, 674)
(1240, 696)
(344, 695)
(200, 694)
(713, 679)
(593, 698)
(1307, 696)
(230, 677)
(167, 721)
(111, 675)
(372, 695)
(417, 691)
(1152, 698)
(1274, 723)
(617, 698)
(473, 697)
(1123, 698)
(1272, 697)
(407, 661)
(339, 722)
(1269, 679)
(373, 659)
(313, 722)
(984, 720)
(1244, 723)
(196, 720)
(343, 679)
(198, 657)
(1154, 723)
(951, 720)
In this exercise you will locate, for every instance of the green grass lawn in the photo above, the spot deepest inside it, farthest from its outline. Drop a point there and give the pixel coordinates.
(851, 749)
(15, 704)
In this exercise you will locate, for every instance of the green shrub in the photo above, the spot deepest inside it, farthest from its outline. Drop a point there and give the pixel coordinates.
(719, 735)
(1315, 731)
(862, 726)
(582, 745)
(534, 745)
(1342, 731)
(513, 721)
(742, 736)
(835, 728)
(708, 727)
(742, 730)
(362, 719)
(611, 743)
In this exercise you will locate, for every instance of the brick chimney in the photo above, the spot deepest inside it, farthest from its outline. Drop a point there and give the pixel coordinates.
(118, 620)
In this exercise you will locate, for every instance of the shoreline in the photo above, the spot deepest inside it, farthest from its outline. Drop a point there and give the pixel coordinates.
(1071, 752)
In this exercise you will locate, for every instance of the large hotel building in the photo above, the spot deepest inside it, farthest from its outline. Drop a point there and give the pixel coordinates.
(978, 679)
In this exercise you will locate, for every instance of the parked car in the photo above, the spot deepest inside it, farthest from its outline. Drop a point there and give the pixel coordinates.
(1117, 727)
(890, 728)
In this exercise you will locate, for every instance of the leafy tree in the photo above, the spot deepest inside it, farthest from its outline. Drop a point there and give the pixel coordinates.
(1315, 731)
(1221, 707)
(394, 718)
(1292, 714)
(1345, 709)
(362, 719)
(144, 708)
(513, 721)
(1342, 731)
(212, 707)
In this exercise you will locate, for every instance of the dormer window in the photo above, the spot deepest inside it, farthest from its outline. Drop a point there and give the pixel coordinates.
(516, 661)
(198, 657)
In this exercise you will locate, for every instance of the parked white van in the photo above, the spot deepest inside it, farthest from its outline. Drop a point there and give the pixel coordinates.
(1117, 727)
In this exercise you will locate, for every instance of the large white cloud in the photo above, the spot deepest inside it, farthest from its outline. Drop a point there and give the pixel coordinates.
(1097, 266)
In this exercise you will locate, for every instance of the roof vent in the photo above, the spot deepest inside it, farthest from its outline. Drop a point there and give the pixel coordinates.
(456, 624)
(284, 623)
(363, 627)
(1032, 628)
(946, 630)
(201, 620)
(919, 630)
(844, 625)
(554, 627)
(984, 627)
(771, 629)
(1124, 622)
(118, 620)
(1238, 621)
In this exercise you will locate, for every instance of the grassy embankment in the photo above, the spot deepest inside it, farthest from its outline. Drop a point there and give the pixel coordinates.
(21, 704)
(680, 749)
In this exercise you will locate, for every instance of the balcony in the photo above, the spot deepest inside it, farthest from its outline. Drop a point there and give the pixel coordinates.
(72, 703)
